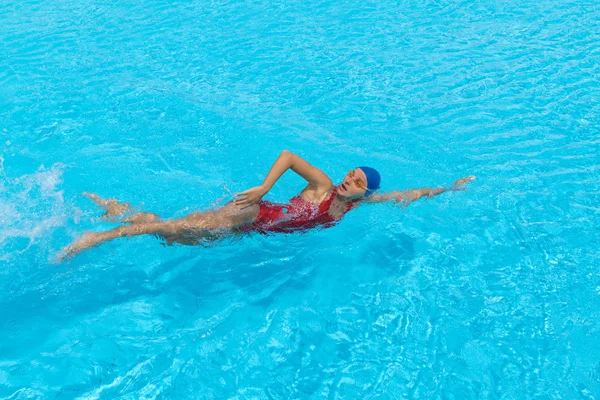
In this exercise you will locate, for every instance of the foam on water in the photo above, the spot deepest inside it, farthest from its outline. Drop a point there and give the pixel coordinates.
(32, 209)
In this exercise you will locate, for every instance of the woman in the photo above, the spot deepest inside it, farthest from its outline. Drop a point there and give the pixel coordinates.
(319, 204)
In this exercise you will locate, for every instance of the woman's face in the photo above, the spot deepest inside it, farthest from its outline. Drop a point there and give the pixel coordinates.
(354, 184)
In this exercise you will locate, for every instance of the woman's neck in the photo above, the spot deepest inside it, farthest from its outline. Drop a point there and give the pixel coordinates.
(339, 199)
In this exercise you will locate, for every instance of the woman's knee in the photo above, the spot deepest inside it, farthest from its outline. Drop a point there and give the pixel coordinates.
(160, 227)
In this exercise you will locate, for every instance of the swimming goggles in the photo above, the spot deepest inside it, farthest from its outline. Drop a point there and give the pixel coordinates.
(357, 181)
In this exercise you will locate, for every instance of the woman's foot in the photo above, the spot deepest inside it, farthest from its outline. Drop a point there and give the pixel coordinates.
(114, 210)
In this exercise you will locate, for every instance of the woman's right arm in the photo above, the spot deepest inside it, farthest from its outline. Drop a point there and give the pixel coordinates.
(317, 179)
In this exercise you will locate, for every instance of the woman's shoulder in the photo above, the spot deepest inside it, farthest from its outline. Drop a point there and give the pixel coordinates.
(316, 195)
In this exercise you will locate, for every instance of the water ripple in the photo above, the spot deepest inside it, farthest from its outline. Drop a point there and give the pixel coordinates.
(170, 105)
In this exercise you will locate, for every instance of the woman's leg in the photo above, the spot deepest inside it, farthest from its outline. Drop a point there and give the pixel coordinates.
(115, 211)
(188, 230)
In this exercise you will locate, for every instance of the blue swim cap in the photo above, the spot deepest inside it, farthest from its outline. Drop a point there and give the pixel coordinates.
(373, 179)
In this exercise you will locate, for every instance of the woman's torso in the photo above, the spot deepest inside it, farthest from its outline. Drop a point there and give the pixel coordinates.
(300, 213)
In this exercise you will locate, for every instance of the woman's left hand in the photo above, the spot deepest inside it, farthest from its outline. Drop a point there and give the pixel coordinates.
(458, 185)
(249, 197)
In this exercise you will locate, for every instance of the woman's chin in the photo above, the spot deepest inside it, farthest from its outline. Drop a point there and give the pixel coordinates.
(342, 194)
(345, 196)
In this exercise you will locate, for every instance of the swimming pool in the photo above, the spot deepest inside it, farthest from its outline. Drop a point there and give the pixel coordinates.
(491, 293)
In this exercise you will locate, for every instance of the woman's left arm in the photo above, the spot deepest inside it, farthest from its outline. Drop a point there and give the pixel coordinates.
(408, 196)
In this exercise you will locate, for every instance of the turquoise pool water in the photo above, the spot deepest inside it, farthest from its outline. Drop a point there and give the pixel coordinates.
(488, 294)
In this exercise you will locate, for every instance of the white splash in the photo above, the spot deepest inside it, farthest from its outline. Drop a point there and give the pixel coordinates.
(32, 207)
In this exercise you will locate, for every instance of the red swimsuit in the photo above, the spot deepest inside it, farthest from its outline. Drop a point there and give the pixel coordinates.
(298, 214)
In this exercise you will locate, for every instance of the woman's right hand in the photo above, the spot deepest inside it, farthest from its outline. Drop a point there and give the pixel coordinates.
(249, 197)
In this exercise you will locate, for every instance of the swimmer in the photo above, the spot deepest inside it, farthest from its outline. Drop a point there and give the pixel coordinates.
(320, 203)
